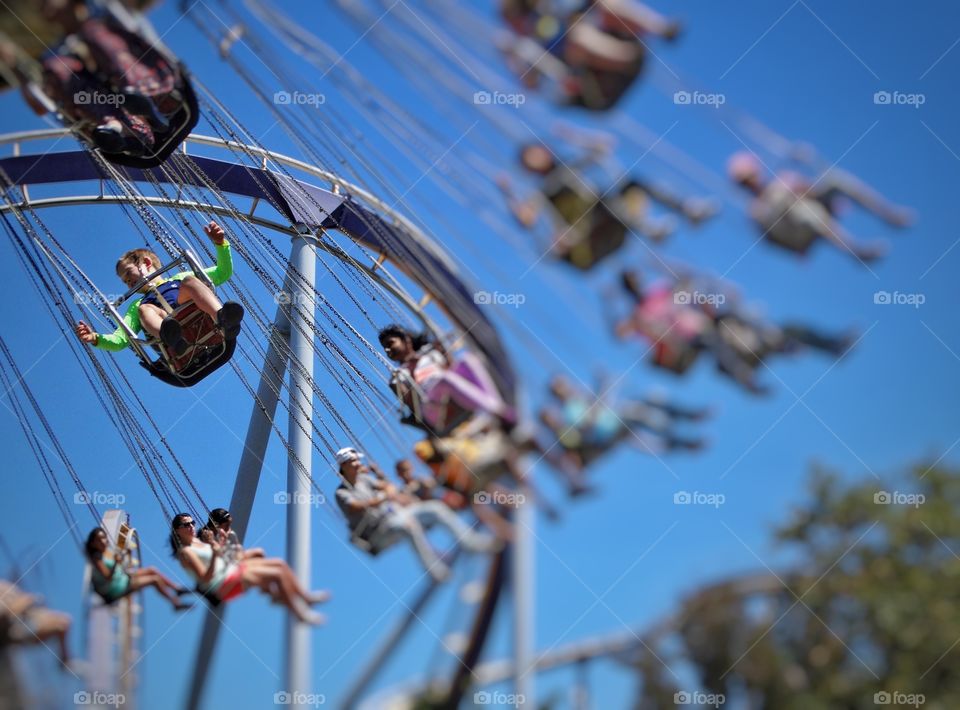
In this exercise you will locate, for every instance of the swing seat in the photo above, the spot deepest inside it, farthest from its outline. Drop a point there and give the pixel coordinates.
(171, 105)
(585, 87)
(107, 603)
(361, 543)
(793, 237)
(675, 359)
(745, 340)
(454, 500)
(601, 90)
(363, 539)
(182, 121)
(169, 91)
(469, 462)
(453, 415)
(207, 349)
(583, 457)
(606, 235)
(790, 222)
(212, 599)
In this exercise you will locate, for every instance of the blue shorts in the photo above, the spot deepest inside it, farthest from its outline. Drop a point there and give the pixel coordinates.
(170, 290)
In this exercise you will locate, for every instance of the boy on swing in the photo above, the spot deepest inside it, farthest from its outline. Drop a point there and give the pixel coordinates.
(147, 313)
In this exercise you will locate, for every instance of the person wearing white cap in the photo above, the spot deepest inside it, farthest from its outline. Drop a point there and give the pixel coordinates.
(378, 520)
(348, 453)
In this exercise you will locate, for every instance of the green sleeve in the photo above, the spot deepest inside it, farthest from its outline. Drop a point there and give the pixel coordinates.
(118, 340)
(224, 268)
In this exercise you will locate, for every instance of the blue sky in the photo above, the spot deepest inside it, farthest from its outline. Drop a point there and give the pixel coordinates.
(624, 557)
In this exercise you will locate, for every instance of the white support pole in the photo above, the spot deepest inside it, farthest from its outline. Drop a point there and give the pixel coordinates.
(523, 575)
(245, 487)
(303, 263)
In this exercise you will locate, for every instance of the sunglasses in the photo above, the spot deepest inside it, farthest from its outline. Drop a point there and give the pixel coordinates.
(185, 524)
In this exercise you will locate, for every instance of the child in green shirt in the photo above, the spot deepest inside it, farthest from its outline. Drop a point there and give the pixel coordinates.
(146, 313)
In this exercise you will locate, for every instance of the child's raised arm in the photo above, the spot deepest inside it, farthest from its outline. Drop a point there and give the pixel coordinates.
(215, 232)
(86, 333)
(224, 269)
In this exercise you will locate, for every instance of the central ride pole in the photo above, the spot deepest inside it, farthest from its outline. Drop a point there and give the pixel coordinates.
(248, 479)
(301, 282)
(524, 604)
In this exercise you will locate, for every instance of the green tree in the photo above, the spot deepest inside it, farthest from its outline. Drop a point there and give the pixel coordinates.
(868, 614)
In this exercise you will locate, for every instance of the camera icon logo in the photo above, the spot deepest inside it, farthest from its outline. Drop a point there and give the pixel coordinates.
(481, 98)
(881, 498)
(881, 698)
(282, 697)
(682, 98)
(482, 697)
(882, 297)
(682, 298)
(681, 698)
(482, 498)
(882, 98)
(482, 298)
(81, 498)
(282, 98)
(82, 697)
(682, 498)
(281, 498)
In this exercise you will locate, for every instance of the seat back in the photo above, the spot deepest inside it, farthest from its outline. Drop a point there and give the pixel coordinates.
(602, 89)
(675, 358)
(207, 349)
(181, 123)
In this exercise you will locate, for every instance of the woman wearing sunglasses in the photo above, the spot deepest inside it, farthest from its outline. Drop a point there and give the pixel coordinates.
(221, 579)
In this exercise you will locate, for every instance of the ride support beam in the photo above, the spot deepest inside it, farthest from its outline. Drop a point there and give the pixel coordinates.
(524, 601)
(301, 283)
(379, 660)
(245, 487)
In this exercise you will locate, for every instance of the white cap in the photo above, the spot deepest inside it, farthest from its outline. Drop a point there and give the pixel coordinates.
(347, 453)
